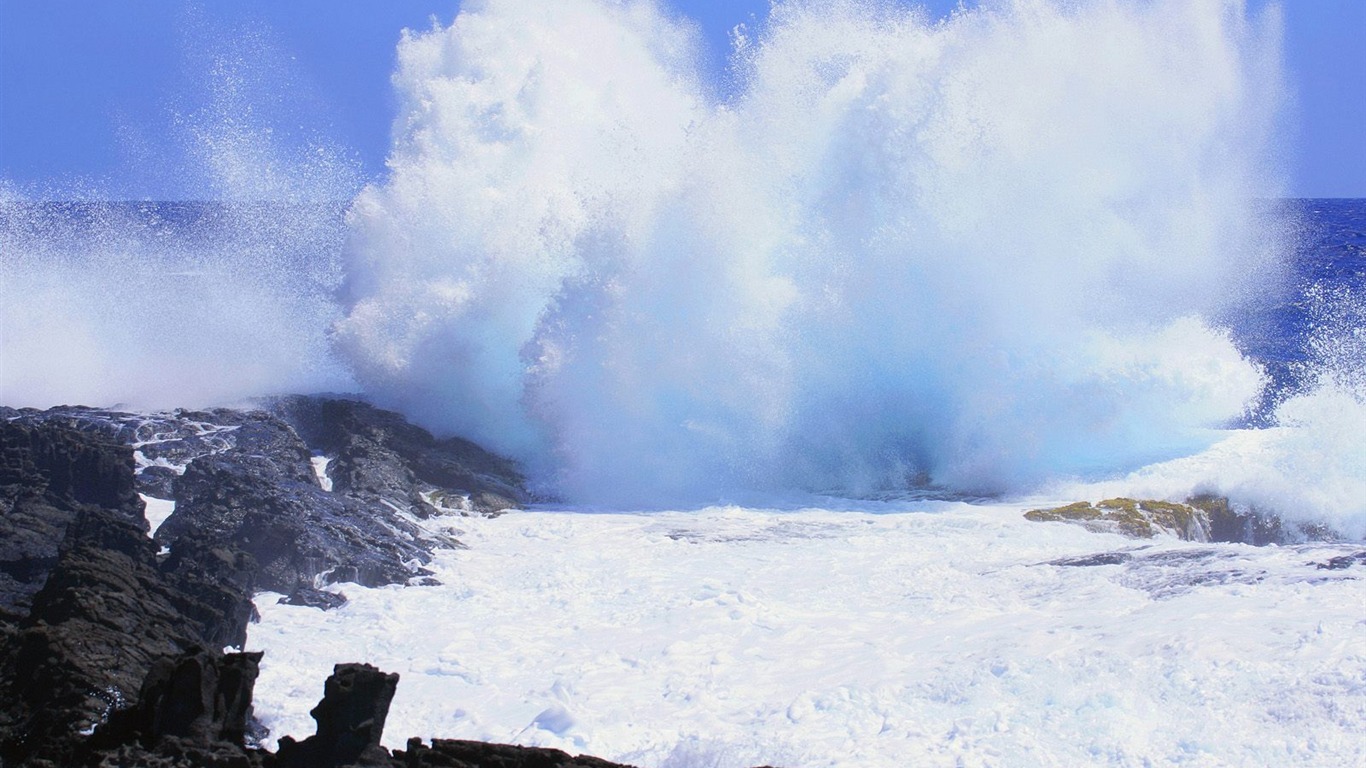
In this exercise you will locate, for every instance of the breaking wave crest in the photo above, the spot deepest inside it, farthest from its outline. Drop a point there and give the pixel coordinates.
(1309, 466)
(970, 254)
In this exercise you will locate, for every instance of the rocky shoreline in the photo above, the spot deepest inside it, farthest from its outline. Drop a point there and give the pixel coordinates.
(110, 630)
(111, 626)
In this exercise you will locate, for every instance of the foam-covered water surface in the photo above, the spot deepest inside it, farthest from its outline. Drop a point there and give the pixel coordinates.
(730, 637)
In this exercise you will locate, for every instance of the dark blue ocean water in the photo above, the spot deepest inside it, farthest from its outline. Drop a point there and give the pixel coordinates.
(1327, 263)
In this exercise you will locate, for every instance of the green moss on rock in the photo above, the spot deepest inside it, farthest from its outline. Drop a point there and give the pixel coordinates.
(1072, 512)
(1136, 518)
(1201, 518)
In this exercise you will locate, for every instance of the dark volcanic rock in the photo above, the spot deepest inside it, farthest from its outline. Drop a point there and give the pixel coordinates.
(162, 443)
(199, 696)
(243, 480)
(314, 598)
(293, 529)
(105, 608)
(47, 477)
(350, 721)
(192, 710)
(379, 455)
(451, 753)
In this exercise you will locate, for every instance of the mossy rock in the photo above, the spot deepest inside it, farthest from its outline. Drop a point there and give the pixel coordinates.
(1136, 518)
(1203, 518)
(1081, 510)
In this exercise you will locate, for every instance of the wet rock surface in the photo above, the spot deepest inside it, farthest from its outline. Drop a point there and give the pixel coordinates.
(94, 614)
(275, 511)
(104, 628)
(247, 481)
(194, 710)
(1200, 518)
(378, 456)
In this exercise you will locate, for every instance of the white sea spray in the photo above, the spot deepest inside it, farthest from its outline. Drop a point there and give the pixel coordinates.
(147, 304)
(973, 253)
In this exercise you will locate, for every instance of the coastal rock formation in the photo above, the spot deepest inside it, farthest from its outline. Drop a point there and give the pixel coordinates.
(350, 721)
(47, 478)
(275, 511)
(193, 710)
(97, 605)
(314, 490)
(107, 635)
(1200, 518)
(378, 456)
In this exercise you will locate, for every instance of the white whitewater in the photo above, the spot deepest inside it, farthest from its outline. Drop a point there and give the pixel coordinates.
(935, 635)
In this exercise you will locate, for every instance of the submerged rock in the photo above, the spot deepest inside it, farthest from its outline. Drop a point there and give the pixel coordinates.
(1200, 518)
(1342, 562)
(1088, 561)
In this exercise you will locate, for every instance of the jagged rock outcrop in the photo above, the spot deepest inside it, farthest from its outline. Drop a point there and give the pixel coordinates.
(379, 455)
(192, 710)
(47, 477)
(245, 481)
(350, 721)
(275, 511)
(105, 605)
(1200, 518)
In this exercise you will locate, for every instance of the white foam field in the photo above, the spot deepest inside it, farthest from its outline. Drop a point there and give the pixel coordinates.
(737, 637)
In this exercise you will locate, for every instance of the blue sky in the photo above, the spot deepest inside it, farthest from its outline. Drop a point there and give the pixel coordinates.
(89, 88)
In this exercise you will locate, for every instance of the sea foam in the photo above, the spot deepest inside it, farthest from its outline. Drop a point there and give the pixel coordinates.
(970, 254)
